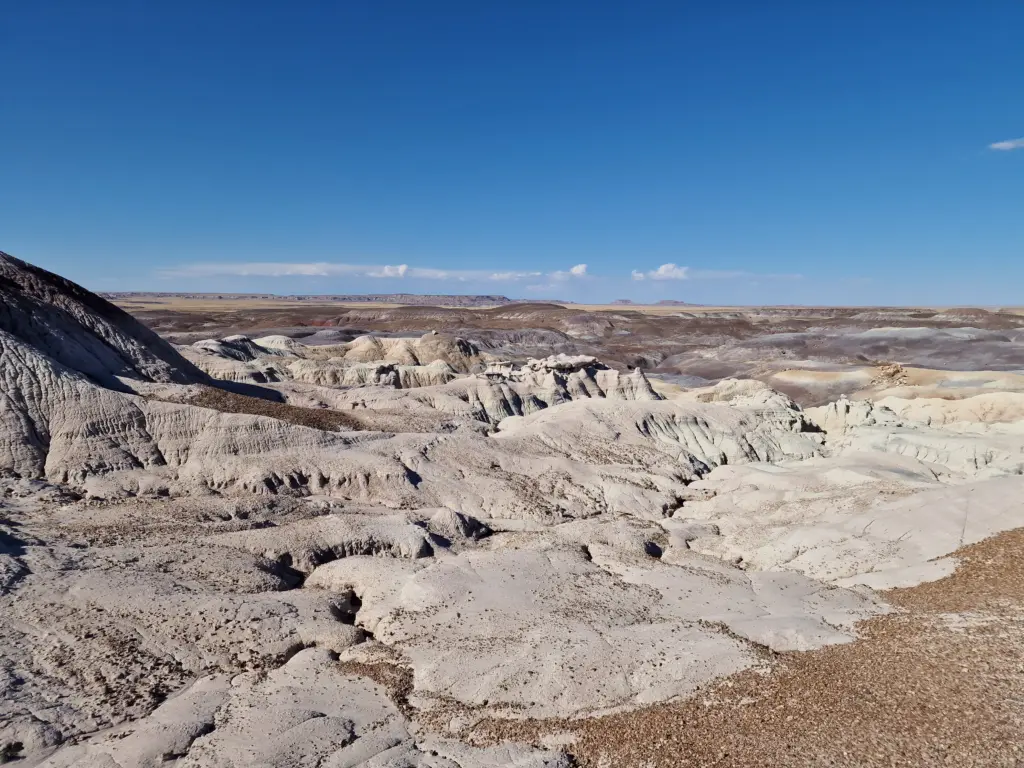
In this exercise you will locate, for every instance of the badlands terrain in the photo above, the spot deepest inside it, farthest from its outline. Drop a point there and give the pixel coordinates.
(250, 533)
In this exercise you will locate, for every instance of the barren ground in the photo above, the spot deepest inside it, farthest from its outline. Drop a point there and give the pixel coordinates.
(939, 682)
(534, 535)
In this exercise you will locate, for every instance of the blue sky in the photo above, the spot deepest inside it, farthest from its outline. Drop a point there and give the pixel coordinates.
(743, 152)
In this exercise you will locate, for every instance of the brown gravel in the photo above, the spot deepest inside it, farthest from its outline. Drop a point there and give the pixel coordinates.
(394, 678)
(317, 418)
(941, 682)
(368, 420)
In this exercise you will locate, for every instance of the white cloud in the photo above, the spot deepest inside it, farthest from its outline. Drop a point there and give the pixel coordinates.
(283, 269)
(580, 270)
(664, 272)
(1009, 145)
(670, 272)
(675, 272)
(512, 276)
(381, 271)
(388, 271)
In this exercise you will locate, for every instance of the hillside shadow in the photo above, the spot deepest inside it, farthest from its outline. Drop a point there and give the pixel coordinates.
(9, 543)
(248, 390)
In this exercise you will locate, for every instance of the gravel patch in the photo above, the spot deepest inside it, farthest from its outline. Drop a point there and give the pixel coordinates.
(940, 682)
(317, 418)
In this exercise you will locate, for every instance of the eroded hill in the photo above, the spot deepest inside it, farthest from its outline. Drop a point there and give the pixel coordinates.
(427, 547)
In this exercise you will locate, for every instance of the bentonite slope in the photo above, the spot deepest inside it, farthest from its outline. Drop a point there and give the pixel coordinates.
(81, 331)
(409, 551)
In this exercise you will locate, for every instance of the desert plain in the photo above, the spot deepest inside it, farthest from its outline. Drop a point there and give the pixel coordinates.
(268, 532)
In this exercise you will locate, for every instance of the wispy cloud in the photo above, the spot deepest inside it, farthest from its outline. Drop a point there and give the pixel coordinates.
(389, 271)
(580, 270)
(664, 272)
(502, 277)
(558, 279)
(533, 280)
(283, 269)
(379, 271)
(739, 274)
(675, 272)
(1008, 145)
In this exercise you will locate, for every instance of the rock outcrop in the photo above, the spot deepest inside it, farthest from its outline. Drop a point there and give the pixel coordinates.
(82, 332)
(461, 355)
(366, 361)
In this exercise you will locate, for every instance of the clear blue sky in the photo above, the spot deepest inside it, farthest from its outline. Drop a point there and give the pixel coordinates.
(799, 152)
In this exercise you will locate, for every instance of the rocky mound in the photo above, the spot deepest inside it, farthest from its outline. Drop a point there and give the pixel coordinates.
(81, 331)
(461, 355)
(367, 360)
